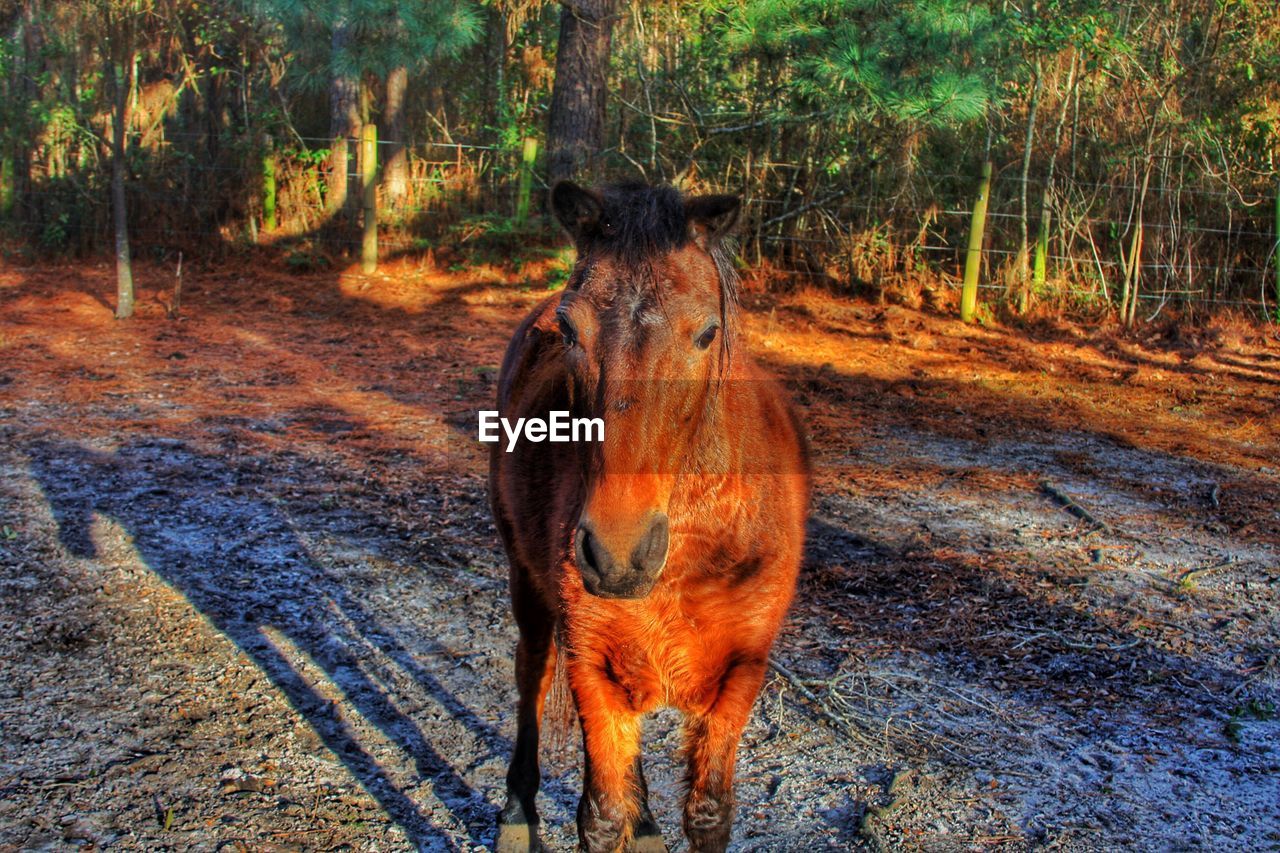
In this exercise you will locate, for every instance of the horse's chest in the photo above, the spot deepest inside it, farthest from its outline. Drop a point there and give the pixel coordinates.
(666, 661)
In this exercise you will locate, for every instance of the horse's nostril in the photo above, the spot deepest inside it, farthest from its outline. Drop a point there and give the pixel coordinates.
(651, 551)
(592, 556)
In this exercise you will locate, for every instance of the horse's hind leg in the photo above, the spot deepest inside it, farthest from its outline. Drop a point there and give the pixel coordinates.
(518, 820)
(646, 837)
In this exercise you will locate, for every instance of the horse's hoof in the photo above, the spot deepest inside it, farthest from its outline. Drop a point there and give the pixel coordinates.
(518, 838)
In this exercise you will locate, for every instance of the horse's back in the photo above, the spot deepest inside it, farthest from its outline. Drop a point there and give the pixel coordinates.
(525, 351)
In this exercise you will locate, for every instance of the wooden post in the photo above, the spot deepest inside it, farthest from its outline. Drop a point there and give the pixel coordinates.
(1132, 274)
(1039, 267)
(1124, 280)
(268, 187)
(1275, 252)
(529, 156)
(369, 178)
(176, 305)
(6, 187)
(973, 257)
(121, 80)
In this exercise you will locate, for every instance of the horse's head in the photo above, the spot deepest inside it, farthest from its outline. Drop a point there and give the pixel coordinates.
(646, 321)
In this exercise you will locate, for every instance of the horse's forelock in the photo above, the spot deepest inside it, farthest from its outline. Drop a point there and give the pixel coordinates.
(640, 221)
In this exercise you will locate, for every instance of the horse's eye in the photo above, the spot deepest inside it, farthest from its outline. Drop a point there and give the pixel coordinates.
(567, 332)
(708, 335)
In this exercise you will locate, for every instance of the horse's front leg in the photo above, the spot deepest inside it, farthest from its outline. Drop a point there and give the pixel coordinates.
(610, 804)
(535, 661)
(711, 747)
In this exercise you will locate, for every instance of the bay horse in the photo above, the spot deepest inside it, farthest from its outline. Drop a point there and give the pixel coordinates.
(659, 562)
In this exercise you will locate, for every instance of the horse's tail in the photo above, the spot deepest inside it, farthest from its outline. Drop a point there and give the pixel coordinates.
(559, 713)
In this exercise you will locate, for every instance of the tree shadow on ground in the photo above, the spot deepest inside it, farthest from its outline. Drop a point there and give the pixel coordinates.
(1017, 629)
(238, 560)
(973, 418)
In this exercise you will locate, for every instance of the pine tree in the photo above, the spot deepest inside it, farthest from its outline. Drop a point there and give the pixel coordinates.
(371, 39)
(575, 131)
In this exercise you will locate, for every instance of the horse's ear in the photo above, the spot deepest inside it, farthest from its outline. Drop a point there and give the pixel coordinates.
(711, 217)
(577, 209)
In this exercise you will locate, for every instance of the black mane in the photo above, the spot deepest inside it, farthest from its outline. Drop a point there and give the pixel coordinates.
(640, 220)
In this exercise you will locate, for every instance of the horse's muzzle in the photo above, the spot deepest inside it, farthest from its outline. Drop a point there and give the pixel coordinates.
(634, 577)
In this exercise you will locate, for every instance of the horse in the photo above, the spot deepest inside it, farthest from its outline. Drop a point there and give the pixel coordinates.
(653, 567)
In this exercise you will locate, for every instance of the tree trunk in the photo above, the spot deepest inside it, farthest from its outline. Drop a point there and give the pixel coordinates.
(1042, 240)
(1133, 268)
(498, 48)
(344, 122)
(1131, 263)
(1023, 282)
(120, 74)
(973, 257)
(369, 195)
(1275, 251)
(214, 125)
(576, 129)
(395, 174)
(28, 90)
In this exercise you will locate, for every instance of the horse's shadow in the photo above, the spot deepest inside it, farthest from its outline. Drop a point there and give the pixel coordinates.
(236, 557)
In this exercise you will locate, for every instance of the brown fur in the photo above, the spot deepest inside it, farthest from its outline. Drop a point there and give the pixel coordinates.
(704, 437)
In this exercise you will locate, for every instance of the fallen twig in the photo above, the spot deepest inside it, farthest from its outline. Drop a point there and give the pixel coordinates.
(1266, 669)
(847, 727)
(1186, 576)
(1072, 644)
(881, 677)
(1070, 505)
(819, 705)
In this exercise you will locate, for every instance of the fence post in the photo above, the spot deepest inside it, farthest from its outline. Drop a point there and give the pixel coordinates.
(528, 157)
(973, 256)
(369, 179)
(6, 187)
(268, 187)
(1039, 266)
(1132, 266)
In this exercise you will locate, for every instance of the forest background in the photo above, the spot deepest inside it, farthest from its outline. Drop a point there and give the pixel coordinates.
(1102, 158)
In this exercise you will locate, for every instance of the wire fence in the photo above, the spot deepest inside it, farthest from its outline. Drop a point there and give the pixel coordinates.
(1199, 245)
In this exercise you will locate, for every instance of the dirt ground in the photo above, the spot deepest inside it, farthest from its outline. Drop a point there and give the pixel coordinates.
(252, 598)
